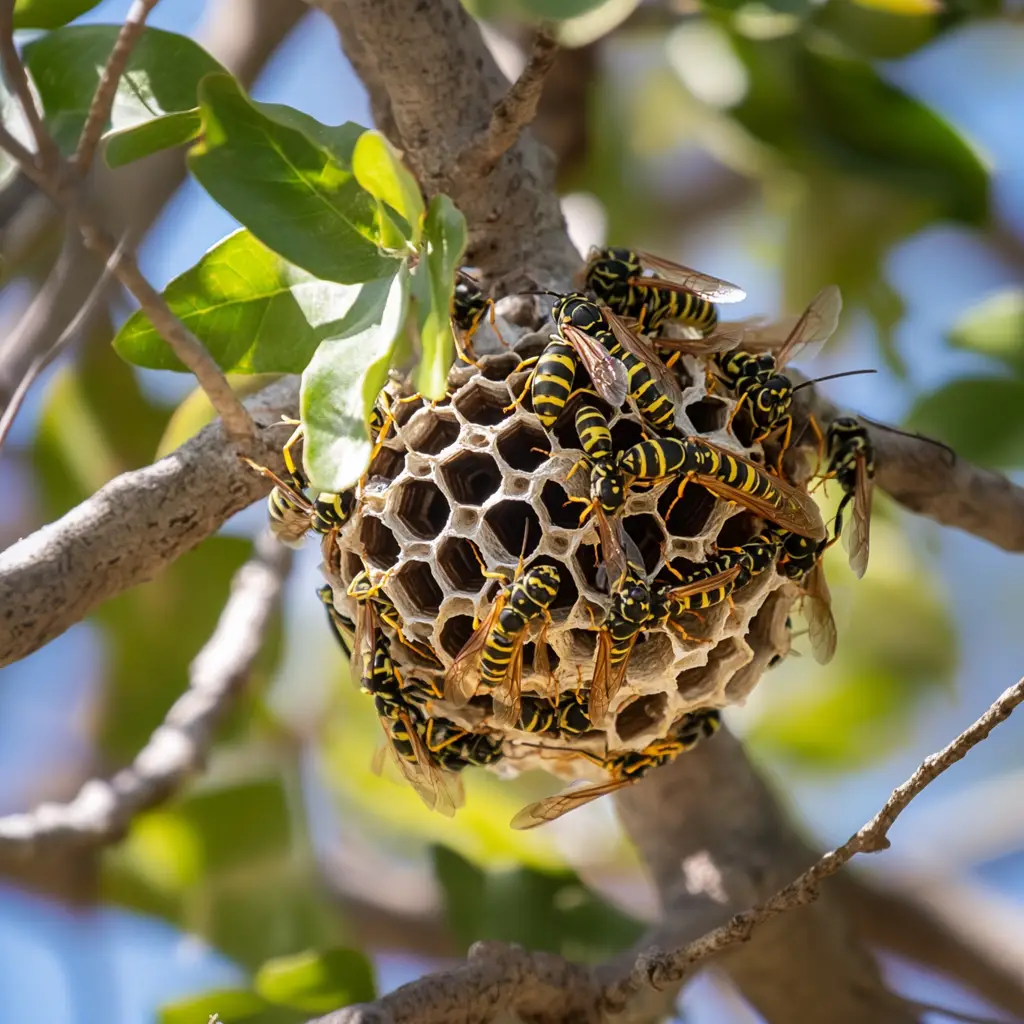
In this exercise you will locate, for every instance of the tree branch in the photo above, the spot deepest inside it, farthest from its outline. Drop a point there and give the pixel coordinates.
(102, 811)
(103, 100)
(131, 528)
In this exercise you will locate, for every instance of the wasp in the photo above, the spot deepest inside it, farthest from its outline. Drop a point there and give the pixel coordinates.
(569, 716)
(730, 476)
(650, 290)
(341, 625)
(801, 559)
(499, 640)
(852, 464)
(469, 306)
(455, 748)
(757, 379)
(624, 769)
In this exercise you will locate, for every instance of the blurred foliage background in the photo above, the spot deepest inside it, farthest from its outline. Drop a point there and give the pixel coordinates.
(871, 143)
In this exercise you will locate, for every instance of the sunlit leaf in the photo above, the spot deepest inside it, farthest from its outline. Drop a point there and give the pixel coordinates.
(317, 981)
(904, 8)
(160, 80)
(995, 328)
(49, 13)
(342, 381)
(231, 1006)
(122, 147)
(254, 311)
(289, 183)
(444, 243)
(540, 910)
(981, 418)
(874, 32)
(379, 169)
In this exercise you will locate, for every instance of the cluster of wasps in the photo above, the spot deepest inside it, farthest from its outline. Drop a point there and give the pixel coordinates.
(618, 342)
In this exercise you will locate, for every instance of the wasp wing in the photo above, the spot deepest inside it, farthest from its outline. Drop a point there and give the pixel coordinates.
(676, 277)
(459, 686)
(816, 325)
(555, 806)
(600, 685)
(632, 342)
(821, 626)
(858, 537)
(701, 586)
(441, 791)
(508, 696)
(607, 373)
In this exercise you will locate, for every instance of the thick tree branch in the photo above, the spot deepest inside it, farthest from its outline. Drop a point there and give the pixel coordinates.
(102, 811)
(131, 528)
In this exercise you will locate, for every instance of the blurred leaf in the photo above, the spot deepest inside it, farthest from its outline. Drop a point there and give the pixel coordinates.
(131, 144)
(874, 32)
(289, 180)
(379, 169)
(903, 8)
(49, 13)
(161, 77)
(317, 981)
(558, 10)
(995, 328)
(195, 411)
(981, 418)
(342, 380)
(886, 307)
(254, 311)
(231, 1006)
(542, 910)
(444, 243)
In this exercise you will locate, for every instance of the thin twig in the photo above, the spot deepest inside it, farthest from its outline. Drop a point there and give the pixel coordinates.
(103, 99)
(657, 970)
(513, 112)
(102, 810)
(17, 80)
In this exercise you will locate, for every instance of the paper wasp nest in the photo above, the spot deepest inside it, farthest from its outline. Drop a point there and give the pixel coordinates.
(465, 474)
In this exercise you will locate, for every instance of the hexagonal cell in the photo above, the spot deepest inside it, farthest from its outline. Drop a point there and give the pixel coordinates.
(642, 715)
(457, 559)
(647, 534)
(431, 432)
(511, 522)
(697, 683)
(483, 402)
(524, 446)
(416, 582)
(588, 560)
(738, 529)
(455, 633)
(465, 520)
(499, 365)
(708, 415)
(471, 477)
(563, 513)
(385, 465)
(378, 543)
(422, 508)
(626, 433)
(690, 514)
(678, 368)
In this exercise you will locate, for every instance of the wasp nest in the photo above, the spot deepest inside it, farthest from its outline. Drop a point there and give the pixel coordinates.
(467, 481)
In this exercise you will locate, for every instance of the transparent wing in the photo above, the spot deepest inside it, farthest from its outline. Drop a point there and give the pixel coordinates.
(508, 696)
(724, 338)
(676, 277)
(459, 685)
(702, 586)
(620, 673)
(858, 537)
(364, 640)
(600, 685)
(607, 373)
(555, 806)
(613, 540)
(441, 791)
(821, 626)
(640, 347)
(816, 325)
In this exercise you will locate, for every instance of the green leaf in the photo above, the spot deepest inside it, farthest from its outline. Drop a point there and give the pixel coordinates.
(231, 1005)
(541, 910)
(380, 171)
(152, 136)
(160, 80)
(254, 311)
(291, 186)
(49, 13)
(873, 33)
(559, 10)
(317, 981)
(342, 380)
(994, 328)
(981, 418)
(444, 244)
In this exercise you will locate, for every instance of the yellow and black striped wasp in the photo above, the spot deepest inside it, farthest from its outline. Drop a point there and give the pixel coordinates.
(852, 465)
(731, 477)
(568, 716)
(499, 641)
(624, 769)
(801, 559)
(649, 291)
(469, 306)
(342, 626)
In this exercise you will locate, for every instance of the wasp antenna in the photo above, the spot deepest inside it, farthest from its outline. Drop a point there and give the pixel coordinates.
(556, 295)
(833, 376)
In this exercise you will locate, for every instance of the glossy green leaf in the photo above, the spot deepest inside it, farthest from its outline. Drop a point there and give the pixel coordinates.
(994, 328)
(444, 243)
(131, 144)
(342, 381)
(254, 311)
(231, 1006)
(874, 33)
(541, 910)
(981, 418)
(379, 169)
(49, 13)
(287, 179)
(317, 981)
(161, 78)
